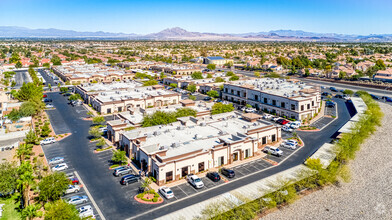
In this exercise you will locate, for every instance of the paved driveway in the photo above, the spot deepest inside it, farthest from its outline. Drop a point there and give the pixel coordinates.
(116, 201)
(58, 150)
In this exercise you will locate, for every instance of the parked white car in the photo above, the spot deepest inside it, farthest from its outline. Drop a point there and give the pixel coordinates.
(295, 124)
(103, 129)
(60, 167)
(50, 140)
(250, 110)
(287, 128)
(56, 160)
(289, 145)
(86, 211)
(293, 141)
(267, 116)
(76, 200)
(195, 181)
(166, 192)
(49, 106)
(72, 189)
(273, 151)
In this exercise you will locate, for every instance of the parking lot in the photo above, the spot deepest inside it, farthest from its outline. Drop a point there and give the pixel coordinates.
(57, 150)
(185, 189)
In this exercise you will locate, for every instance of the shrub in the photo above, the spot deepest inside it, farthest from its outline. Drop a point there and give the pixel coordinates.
(41, 154)
(218, 108)
(155, 199)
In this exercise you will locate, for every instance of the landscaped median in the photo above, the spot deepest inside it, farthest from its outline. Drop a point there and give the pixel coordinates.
(149, 197)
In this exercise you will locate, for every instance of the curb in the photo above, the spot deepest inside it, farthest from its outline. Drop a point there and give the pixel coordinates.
(160, 200)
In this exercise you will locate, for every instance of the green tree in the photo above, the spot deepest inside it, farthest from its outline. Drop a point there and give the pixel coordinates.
(56, 60)
(219, 107)
(9, 176)
(197, 75)
(95, 132)
(31, 138)
(342, 74)
(119, 156)
(348, 92)
(13, 83)
(53, 186)
(211, 66)
(150, 83)
(28, 109)
(98, 120)
(219, 79)
(30, 92)
(45, 130)
(46, 65)
(63, 89)
(192, 97)
(18, 65)
(61, 210)
(26, 178)
(183, 112)
(213, 94)
(31, 211)
(13, 115)
(191, 88)
(101, 142)
(257, 74)
(209, 76)
(307, 73)
(49, 86)
(234, 78)
(229, 73)
(380, 64)
(74, 97)
(173, 85)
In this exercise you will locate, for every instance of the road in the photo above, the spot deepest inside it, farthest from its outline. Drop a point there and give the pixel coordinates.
(21, 77)
(312, 140)
(116, 201)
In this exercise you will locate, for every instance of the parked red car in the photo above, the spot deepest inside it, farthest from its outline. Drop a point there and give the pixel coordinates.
(45, 95)
(285, 122)
(282, 121)
(74, 180)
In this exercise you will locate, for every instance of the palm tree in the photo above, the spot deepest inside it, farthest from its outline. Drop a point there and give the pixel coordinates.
(26, 178)
(30, 211)
(23, 150)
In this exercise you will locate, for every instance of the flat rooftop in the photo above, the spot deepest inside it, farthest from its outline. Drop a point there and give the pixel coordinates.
(94, 87)
(135, 93)
(138, 113)
(203, 133)
(88, 70)
(280, 87)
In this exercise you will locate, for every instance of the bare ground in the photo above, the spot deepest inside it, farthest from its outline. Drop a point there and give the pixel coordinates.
(369, 193)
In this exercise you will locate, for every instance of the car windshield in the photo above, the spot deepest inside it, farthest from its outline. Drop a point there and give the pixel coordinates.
(197, 180)
(169, 192)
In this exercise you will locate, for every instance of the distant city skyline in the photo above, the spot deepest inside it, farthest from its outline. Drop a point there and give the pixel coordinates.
(343, 17)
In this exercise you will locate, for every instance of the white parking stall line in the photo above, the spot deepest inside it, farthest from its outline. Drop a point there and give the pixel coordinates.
(89, 195)
(183, 191)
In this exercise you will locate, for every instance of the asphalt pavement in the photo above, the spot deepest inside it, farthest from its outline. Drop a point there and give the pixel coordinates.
(21, 77)
(116, 201)
(312, 140)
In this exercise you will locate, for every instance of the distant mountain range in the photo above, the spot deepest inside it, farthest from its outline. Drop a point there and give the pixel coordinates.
(11, 32)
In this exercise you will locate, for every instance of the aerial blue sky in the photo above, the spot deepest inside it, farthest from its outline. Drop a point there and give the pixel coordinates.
(142, 17)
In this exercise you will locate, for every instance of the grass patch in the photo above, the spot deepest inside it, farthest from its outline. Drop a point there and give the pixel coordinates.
(117, 165)
(308, 128)
(10, 209)
(102, 149)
